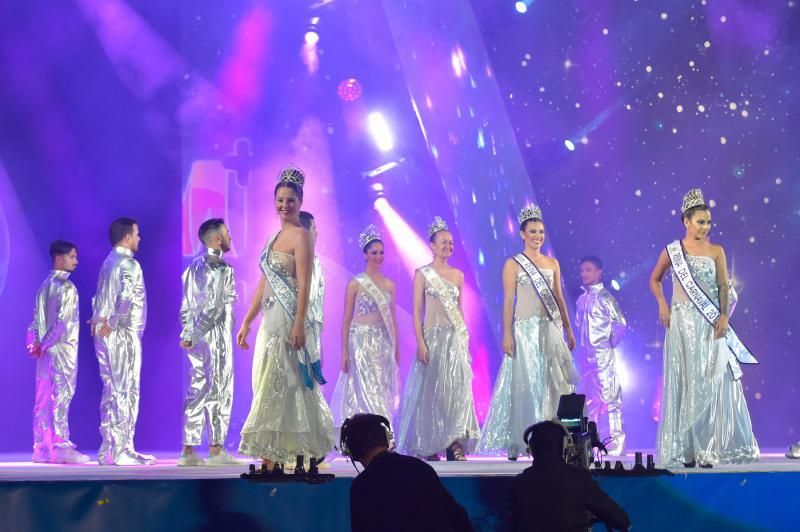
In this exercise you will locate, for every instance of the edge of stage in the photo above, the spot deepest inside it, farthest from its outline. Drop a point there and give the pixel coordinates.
(167, 497)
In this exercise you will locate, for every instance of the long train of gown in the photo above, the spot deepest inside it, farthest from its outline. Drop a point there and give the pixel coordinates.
(704, 414)
(286, 418)
(370, 386)
(437, 407)
(530, 383)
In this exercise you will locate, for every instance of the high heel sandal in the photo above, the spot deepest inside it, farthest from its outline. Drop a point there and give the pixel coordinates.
(455, 453)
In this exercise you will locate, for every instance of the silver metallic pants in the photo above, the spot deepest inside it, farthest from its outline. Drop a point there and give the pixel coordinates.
(209, 396)
(605, 396)
(120, 358)
(56, 371)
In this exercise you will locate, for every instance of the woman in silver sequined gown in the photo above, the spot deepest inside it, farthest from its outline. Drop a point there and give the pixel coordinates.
(704, 415)
(538, 367)
(287, 419)
(368, 380)
(437, 411)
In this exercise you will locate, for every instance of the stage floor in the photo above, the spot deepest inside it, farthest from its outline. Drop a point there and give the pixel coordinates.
(18, 467)
(738, 498)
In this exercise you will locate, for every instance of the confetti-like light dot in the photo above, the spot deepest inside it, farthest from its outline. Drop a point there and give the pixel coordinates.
(745, 114)
(528, 57)
(541, 89)
(664, 16)
(679, 108)
(735, 207)
(648, 356)
(618, 84)
(577, 105)
(752, 240)
(584, 140)
(691, 64)
(569, 144)
(567, 63)
(766, 200)
(674, 130)
(628, 106)
(523, 63)
(648, 68)
(605, 31)
(701, 108)
(723, 140)
(732, 106)
(773, 260)
(766, 52)
(638, 193)
(660, 94)
(778, 180)
(673, 212)
(758, 396)
(712, 203)
(707, 44)
(723, 19)
(596, 201)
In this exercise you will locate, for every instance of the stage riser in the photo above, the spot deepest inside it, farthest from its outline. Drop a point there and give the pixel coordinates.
(687, 502)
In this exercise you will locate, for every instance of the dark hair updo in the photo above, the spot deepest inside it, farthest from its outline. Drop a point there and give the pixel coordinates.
(524, 224)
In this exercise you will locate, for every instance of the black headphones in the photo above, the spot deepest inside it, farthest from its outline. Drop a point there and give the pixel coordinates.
(346, 433)
(527, 437)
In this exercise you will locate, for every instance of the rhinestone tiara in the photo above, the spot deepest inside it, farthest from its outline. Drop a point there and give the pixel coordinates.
(437, 225)
(529, 212)
(292, 174)
(693, 198)
(370, 234)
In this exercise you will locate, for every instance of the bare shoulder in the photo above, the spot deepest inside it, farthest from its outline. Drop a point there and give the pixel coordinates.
(717, 250)
(552, 262)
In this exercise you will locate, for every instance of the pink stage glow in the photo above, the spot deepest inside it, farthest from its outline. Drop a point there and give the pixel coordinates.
(241, 78)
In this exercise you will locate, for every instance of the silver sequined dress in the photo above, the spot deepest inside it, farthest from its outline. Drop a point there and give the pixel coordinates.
(530, 383)
(370, 385)
(704, 414)
(437, 407)
(286, 418)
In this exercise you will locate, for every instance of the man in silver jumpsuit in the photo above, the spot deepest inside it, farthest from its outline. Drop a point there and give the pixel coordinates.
(209, 292)
(120, 312)
(53, 342)
(601, 327)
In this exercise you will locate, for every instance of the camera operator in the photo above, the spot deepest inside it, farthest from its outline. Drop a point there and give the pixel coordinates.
(395, 492)
(553, 495)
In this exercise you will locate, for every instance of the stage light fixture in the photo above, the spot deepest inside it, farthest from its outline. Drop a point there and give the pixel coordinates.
(522, 7)
(381, 132)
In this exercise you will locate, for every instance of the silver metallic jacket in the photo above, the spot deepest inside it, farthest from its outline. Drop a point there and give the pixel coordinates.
(55, 328)
(209, 292)
(600, 320)
(120, 296)
(55, 314)
(121, 300)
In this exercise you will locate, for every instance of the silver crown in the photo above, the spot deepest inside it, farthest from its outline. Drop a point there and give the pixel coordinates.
(370, 234)
(292, 174)
(437, 225)
(693, 198)
(529, 212)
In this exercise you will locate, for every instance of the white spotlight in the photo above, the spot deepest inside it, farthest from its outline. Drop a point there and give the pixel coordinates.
(570, 145)
(381, 133)
(522, 7)
(311, 38)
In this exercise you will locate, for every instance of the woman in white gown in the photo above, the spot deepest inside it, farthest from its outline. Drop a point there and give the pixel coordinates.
(538, 367)
(289, 417)
(368, 380)
(704, 416)
(437, 411)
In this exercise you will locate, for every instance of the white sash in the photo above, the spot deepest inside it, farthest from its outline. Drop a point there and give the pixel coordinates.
(542, 288)
(450, 306)
(308, 360)
(703, 303)
(380, 299)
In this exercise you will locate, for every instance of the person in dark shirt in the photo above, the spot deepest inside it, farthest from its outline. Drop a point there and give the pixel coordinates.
(553, 495)
(395, 493)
